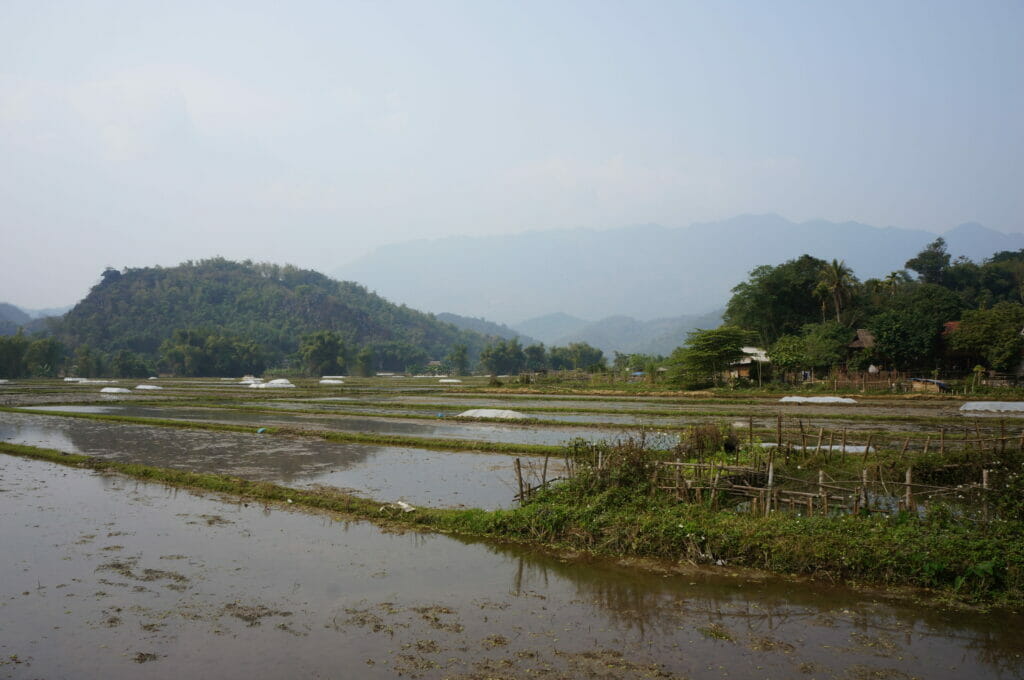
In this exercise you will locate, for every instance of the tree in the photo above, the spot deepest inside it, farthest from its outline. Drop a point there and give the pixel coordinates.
(203, 352)
(776, 301)
(88, 363)
(536, 357)
(322, 353)
(459, 359)
(12, 355)
(364, 362)
(43, 357)
(127, 364)
(992, 334)
(907, 338)
(932, 263)
(789, 354)
(707, 354)
(503, 357)
(584, 357)
(838, 280)
(824, 344)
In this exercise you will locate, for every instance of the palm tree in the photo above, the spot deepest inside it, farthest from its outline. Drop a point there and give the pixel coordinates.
(894, 280)
(838, 280)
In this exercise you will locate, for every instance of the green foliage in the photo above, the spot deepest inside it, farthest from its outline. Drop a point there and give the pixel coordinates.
(706, 355)
(459, 359)
(825, 344)
(906, 338)
(992, 334)
(87, 363)
(202, 352)
(265, 304)
(536, 357)
(503, 357)
(322, 353)
(129, 365)
(789, 354)
(12, 356)
(839, 283)
(577, 356)
(365, 362)
(44, 358)
(932, 263)
(777, 300)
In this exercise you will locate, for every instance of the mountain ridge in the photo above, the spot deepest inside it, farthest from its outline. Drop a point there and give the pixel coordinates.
(645, 271)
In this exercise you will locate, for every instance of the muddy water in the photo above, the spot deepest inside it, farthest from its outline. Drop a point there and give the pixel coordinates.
(417, 476)
(415, 428)
(107, 577)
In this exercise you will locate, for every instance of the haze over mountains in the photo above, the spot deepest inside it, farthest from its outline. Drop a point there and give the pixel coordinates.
(619, 333)
(644, 272)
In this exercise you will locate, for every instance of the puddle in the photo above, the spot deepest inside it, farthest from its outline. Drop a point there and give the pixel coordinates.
(199, 583)
(385, 473)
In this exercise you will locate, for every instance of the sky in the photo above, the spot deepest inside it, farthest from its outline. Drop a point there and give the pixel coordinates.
(141, 133)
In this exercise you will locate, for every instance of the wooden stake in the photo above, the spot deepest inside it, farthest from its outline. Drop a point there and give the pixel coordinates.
(778, 431)
(519, 478)
(909, 497)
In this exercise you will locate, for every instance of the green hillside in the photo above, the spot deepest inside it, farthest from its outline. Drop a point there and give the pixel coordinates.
(270, 305)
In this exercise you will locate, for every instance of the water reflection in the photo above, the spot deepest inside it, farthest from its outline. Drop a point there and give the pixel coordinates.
(439, 429)
(417, 476)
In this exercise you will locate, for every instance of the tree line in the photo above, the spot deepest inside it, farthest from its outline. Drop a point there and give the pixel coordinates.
(937, 315)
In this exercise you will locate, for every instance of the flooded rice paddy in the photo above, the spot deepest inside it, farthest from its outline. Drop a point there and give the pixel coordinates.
(437, 428)
(104, 576)
(385, 473)
(108, 577)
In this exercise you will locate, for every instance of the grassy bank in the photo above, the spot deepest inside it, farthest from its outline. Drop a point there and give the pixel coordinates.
(616, 513)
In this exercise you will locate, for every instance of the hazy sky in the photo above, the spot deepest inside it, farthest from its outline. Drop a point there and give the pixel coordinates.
(137, 133)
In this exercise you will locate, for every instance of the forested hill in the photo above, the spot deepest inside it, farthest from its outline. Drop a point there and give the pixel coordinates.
(273, 306)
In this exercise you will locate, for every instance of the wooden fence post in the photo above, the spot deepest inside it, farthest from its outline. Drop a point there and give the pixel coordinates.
(519, 478)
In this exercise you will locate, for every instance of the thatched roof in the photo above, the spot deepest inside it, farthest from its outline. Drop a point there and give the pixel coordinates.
(864, 340)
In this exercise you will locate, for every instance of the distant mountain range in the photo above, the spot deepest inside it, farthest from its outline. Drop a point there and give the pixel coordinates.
(619, 333)
(644, 272)
(13, 318)
(485, 327)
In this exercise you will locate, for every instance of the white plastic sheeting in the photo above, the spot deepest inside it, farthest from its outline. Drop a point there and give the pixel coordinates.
(450, 381)
(148, 387)
(817, 400)
(994, 406)
(331, 381)
(493, 414)
(116, 390)
(276, 383)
